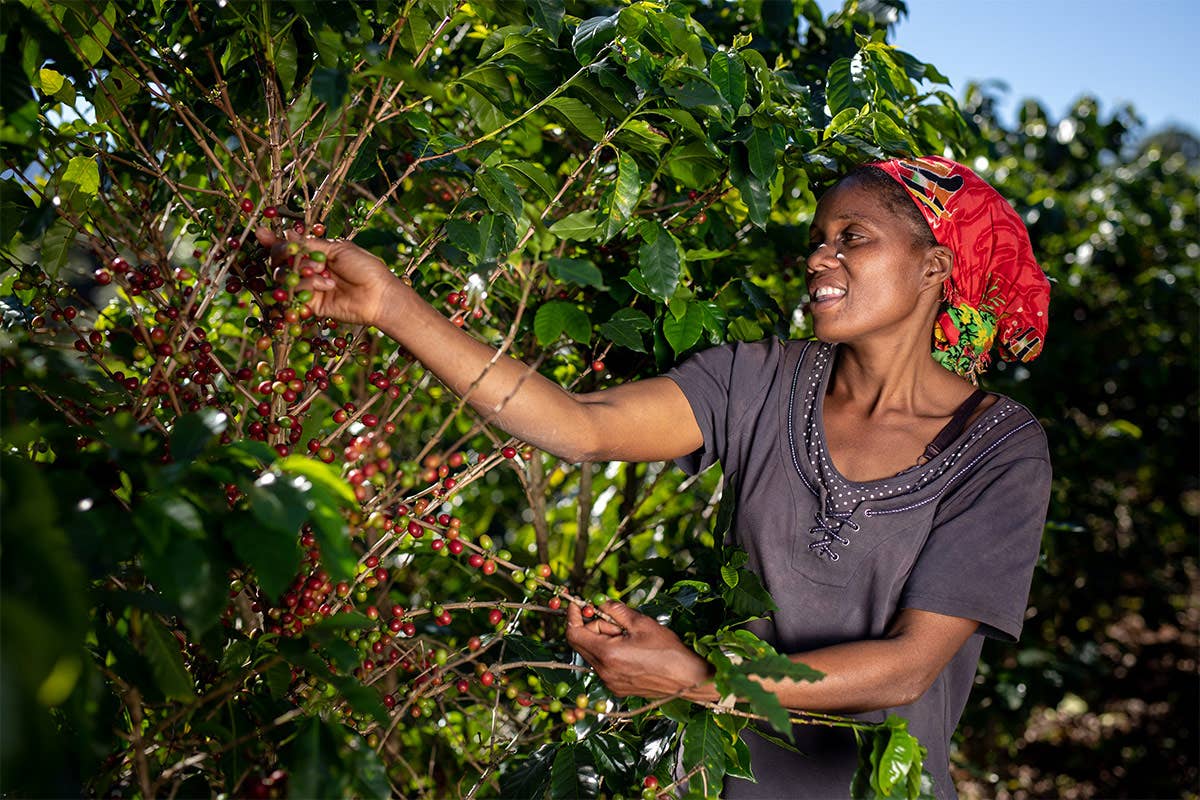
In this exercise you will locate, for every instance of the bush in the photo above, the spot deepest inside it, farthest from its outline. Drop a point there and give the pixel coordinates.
(272, 548)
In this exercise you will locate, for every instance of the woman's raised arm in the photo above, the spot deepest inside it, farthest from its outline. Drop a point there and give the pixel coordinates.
(648, 420)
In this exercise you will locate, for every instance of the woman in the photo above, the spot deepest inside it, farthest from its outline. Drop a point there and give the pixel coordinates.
(893, 511)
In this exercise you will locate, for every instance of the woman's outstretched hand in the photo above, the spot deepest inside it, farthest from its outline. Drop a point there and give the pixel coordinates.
(358, 286)
(640, 657)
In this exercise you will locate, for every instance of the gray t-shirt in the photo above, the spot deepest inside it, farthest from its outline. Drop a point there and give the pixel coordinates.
(958, 535)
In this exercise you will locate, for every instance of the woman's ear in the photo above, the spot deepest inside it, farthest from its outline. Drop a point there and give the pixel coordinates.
(939, 263)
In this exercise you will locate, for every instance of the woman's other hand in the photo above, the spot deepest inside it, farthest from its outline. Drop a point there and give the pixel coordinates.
(638, 656)
(358, 286)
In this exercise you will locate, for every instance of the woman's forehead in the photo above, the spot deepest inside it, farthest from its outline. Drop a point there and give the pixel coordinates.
(850, 200)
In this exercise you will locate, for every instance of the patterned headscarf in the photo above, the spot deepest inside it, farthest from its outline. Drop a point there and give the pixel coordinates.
(996, 293)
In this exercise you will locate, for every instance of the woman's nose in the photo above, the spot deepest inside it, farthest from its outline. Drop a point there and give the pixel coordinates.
(822, 257)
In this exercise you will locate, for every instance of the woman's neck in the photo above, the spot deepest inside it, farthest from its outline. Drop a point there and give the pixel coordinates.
(893, 377)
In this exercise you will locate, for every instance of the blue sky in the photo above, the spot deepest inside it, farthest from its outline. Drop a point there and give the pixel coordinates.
(1142, 52)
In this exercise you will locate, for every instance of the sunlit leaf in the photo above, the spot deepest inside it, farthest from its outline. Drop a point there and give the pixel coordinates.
(557, 317)
(592, 35)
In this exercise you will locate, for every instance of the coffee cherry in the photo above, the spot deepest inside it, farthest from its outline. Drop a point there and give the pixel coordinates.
(509, 452)
(495, 616)
(487, 679)
(270, 212)
(597, 366)
(247, 204)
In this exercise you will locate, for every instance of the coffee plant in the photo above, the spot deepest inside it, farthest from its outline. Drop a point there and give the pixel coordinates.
(251, 551)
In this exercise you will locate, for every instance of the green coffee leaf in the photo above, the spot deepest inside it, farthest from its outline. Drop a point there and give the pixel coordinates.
(581, 117)
(580, 226)
(548, 15)
(728, 73)
(659, 260)
(761, 149)
(49, 81)
(591, 36)
(330, 86)
(56, 246)
(500, 192)
(531, 777)
(578, 271)
(625, 329)
(846, 84)
(614, 757)
(557, 317)
(572, 774)
(897, 760)
(620, 198)
(236, 655)
(166, 662)
(683, 332)
(737, 759)
(192, 433)
(704, 744)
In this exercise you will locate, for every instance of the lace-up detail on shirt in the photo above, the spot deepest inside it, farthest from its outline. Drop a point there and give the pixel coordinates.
(829, 527)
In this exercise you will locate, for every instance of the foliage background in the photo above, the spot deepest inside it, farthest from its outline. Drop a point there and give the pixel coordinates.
(1098, 699)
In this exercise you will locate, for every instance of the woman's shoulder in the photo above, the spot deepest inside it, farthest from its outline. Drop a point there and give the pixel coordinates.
(1018, 432)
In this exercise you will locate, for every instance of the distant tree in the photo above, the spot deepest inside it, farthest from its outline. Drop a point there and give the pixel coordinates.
(1099, 699)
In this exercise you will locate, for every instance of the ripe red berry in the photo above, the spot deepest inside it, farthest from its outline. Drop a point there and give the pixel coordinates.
(487, 679)
(509, 452)
(495, 616)
(650, 782)
(555, 603)
(597, 366)
(247, 205)
(489, 567)
(475, 560)
(318, 229)
(270, 212)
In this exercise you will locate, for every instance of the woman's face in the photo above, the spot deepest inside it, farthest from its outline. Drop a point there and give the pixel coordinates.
(866, 270)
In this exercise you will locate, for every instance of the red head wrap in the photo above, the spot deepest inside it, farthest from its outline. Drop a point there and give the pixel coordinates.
(996, 292)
